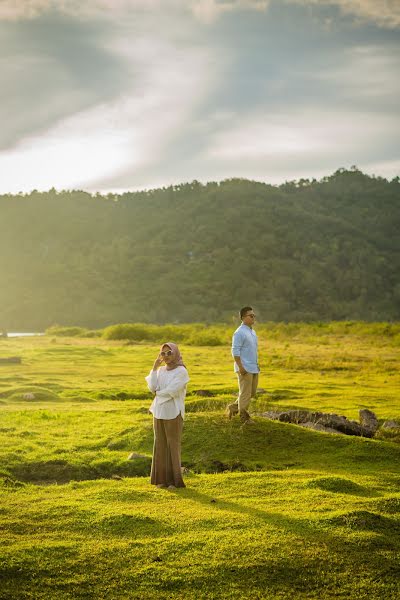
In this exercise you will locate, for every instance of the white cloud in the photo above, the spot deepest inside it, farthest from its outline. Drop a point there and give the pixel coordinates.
(307, 138)
(66, 155)
(129, 133)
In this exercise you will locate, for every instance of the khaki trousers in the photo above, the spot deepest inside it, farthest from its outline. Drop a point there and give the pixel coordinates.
(166, 464)
(247, 390)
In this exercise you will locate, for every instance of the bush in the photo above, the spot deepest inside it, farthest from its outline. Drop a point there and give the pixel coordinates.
(195, 334)
(67, 331)
(137, 332)
(206, 338)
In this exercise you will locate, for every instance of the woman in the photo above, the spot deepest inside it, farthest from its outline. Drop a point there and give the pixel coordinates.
(168, 382)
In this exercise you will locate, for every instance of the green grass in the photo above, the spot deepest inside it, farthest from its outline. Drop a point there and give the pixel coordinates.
(270, 511)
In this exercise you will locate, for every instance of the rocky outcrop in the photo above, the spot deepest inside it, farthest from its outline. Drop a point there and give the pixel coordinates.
(330, 423)
(391, 425)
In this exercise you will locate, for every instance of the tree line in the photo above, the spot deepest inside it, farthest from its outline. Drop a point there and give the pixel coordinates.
(305, 250)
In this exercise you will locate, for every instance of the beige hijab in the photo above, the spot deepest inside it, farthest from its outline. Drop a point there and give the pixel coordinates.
(177, 360)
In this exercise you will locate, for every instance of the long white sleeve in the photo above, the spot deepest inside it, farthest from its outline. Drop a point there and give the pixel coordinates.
(179, 381)
(169, 388)
(152, 381)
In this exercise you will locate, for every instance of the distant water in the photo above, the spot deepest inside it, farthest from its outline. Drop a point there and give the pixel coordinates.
(22, 334)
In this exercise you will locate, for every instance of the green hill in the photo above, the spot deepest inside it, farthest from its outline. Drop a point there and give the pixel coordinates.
(307, 250)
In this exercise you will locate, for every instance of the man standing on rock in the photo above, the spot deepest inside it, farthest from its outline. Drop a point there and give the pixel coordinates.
(245, 355)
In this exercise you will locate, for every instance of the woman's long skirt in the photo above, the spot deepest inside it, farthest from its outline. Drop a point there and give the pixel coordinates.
(166, 464)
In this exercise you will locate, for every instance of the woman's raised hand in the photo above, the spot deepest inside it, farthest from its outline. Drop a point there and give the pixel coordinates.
(157, 362)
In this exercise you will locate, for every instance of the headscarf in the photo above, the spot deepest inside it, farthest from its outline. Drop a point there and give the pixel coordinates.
(177, 360)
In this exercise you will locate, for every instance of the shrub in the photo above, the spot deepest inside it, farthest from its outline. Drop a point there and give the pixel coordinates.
(206, 338)
(137, 332)
(67, 331)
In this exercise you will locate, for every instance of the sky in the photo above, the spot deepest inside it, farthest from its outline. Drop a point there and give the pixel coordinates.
(116, 95)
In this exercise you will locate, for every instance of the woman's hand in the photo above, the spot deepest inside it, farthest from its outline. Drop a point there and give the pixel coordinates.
(157, 362)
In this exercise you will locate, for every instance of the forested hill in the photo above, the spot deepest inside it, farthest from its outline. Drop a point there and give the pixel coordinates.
(317, 250)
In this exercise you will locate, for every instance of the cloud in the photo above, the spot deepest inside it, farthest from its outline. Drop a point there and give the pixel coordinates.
(304, 134)
(128, 134)
(174, 90)
(52, 69)
(208, 11)
(204, 10)
(385, 13)
(66, 155)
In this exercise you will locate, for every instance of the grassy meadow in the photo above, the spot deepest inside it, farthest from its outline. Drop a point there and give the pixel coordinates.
(270, 511)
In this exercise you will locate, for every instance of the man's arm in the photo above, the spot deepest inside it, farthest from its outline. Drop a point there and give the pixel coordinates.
(238, 361)
(237, 345)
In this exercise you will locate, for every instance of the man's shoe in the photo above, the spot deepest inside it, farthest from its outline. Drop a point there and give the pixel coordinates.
(246, 419)
(232, 410)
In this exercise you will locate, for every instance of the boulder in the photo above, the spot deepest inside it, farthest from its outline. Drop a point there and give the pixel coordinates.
(136, 456)
(391, 425)
(328, 422)
(11, 360)
(319, 427)
(368, 419)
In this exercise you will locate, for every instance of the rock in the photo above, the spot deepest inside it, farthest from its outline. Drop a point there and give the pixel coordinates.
(342, 424)
(319, 427)
(271, 414)
(135, 456)
(261, 391)
(203, 393)
(368, 419)
(327, 421)
(11, 359)
(28, 396)
(391, 425)
(284, 417)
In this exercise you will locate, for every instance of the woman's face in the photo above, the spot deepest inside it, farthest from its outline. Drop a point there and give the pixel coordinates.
(166, 354)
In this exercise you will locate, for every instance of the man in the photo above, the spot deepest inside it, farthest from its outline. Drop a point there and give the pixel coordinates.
(245, 355)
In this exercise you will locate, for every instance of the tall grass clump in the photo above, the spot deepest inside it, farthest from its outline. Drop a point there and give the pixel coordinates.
(71, 331)
(195, 334)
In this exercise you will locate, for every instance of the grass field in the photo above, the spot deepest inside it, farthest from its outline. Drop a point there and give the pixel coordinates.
(270, 511)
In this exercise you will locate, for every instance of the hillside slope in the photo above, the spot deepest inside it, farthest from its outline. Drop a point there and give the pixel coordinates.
(301, 251)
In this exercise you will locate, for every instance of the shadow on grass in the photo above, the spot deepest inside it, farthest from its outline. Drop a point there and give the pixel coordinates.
(307, 572)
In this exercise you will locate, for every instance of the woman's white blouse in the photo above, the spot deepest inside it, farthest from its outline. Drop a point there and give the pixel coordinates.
(170, 390)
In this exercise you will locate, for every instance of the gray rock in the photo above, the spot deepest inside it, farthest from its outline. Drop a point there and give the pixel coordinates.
(319, 427)
(327, 421)
(391, 425)
(271, 414)
(368, 419)
(16, 360)
(135, 456)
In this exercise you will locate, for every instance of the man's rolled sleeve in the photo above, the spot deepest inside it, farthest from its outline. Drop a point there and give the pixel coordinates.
(237, 344)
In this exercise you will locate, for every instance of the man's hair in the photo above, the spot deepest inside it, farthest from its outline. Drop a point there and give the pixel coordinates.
(245, 310)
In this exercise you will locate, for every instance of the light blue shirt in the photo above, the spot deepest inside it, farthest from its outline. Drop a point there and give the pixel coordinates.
(245, 345)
